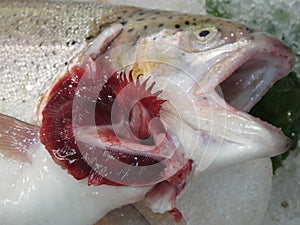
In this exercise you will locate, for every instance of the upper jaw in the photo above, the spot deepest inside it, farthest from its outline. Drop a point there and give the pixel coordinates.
(216, 130)
(257, 67)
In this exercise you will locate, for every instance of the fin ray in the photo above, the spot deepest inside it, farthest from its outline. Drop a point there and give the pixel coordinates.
(17, 138)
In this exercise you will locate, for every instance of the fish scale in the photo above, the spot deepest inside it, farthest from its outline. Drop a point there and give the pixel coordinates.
(38, 44)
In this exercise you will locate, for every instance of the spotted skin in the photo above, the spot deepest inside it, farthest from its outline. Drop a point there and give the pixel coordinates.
(148, 22)
(39, 40)
(37, 43)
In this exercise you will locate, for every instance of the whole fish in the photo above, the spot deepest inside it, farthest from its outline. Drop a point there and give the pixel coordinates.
(103, 106)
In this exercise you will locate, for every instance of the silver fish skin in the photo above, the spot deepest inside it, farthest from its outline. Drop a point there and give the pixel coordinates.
(38, 40)
(196, 61)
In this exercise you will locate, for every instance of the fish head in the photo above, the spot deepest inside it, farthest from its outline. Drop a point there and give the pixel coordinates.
(156, 90)
(211, 72)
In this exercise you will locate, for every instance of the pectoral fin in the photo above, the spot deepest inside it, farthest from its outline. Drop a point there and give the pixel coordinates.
(17, 139)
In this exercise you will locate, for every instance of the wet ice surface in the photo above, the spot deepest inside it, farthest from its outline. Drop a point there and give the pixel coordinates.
(284, 207)
(233, 195)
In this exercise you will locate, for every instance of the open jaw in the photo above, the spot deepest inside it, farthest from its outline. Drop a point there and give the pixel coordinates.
(255, 73)
(244, 80)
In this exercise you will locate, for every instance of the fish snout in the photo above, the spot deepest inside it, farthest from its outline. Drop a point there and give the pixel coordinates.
(215, 129)
(276, 47)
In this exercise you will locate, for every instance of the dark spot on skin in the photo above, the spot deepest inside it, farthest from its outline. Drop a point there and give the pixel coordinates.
(194, 24)
(40, 44)
(170, 17)
(123, 23)
(89, 37)
(284, 204)
(154, 38)
(187, 22)
(70, 43)
(182, 54)
(68, 31)
(140, 19)
(125, 11)
(66, 63)
(160, 25)
(153, 18)
(141, 13)
(130, 30)
(119, 17)
(249, 30)
(204, 33)
(23, 101)
(177, 26)
(3, 99)
(145, 27)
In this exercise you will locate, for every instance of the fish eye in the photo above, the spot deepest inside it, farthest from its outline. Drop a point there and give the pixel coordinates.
(204, 38)
(205, 35)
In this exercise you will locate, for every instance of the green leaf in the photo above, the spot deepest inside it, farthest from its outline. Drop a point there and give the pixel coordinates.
(281, 107)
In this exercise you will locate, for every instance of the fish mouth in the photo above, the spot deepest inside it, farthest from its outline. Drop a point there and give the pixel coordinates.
(256, 72)
(232, 135)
